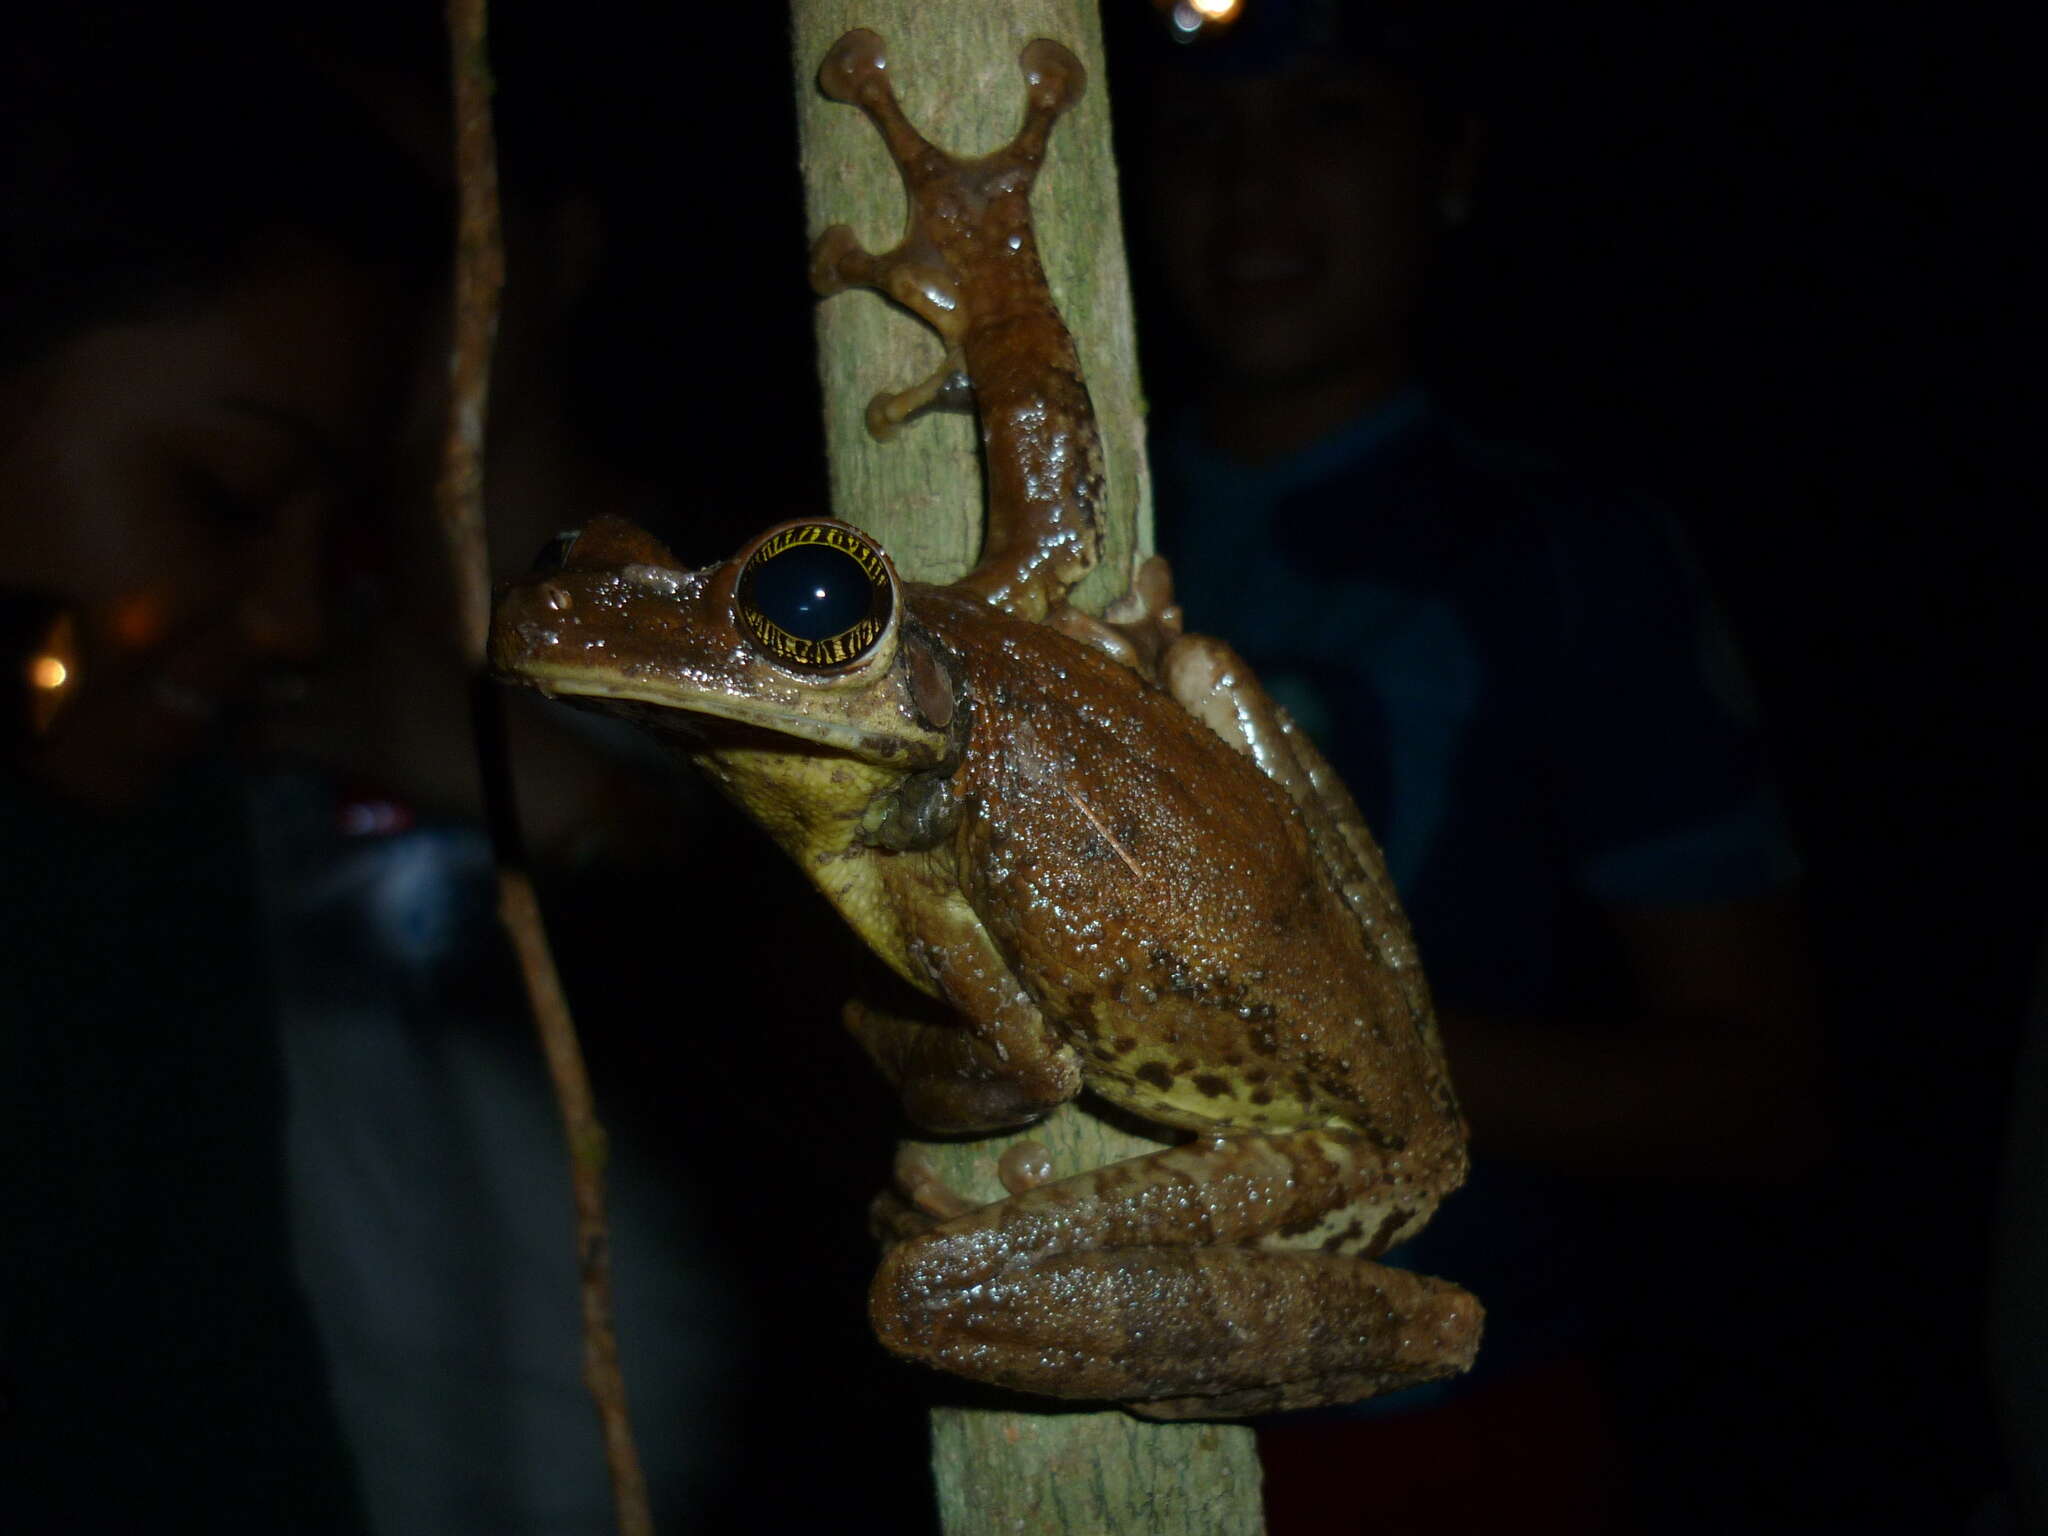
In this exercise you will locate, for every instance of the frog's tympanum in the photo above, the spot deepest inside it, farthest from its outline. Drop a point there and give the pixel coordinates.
(1117, 863)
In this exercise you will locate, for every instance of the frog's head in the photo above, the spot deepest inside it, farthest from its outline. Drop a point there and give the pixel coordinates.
(802, 635)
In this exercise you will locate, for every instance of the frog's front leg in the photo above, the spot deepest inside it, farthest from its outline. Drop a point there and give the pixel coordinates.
(993, 1062)
(955, 1079)
(1226, 1277)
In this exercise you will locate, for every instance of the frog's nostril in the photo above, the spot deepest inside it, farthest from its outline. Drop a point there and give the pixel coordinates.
(554, 554)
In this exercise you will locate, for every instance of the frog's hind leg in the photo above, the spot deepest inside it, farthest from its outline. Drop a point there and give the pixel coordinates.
(1215, 1279)
(1210, 1333)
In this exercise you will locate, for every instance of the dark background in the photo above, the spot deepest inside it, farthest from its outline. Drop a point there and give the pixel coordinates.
(1766, 265)
(1769, 266)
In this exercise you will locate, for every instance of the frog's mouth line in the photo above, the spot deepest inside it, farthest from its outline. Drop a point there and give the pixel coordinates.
(678, 710)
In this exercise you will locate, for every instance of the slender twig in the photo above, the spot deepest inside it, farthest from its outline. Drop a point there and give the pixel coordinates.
(479, 276)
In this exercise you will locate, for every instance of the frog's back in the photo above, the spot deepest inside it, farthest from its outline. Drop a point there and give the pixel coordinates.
(1159, 897)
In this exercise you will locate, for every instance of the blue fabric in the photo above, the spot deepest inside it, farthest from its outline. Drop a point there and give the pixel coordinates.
(1523, 682)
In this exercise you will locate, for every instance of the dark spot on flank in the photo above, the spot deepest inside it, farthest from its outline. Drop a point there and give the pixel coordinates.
(1155, 1073)
(1262, 1096)
(1339, 1241)
(1264, 1041)
(1212, 1085)
(1382, 1138)
(1123, 1045)
(1391, 1223)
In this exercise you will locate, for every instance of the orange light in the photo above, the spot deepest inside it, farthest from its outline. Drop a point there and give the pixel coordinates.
(53, 672)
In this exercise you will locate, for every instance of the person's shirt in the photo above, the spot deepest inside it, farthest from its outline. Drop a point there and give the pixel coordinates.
(1521, 678)
(430, 1201)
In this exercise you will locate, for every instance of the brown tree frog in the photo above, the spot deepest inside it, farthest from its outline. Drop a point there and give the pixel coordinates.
(1113, 859)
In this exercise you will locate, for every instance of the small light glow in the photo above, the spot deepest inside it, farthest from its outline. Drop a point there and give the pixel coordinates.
(1190, 18)
(50, 668)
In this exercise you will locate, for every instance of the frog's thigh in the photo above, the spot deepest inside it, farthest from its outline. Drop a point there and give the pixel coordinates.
(1193, 1332)
(1143, 1280)
(1211, 1332)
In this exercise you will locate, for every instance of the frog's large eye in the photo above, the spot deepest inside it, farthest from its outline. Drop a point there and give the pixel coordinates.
(815, 596)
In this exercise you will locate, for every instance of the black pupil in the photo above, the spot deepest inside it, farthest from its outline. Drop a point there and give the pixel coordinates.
(812, 590)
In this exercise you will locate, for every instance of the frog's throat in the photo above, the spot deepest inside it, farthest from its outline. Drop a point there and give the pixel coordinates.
(841, 735)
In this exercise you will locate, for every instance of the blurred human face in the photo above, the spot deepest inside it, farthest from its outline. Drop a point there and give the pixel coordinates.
(1295, 214)
(175, 478)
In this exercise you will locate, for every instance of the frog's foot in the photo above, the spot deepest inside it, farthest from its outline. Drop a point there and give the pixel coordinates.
(1138, 628)
(912, 276)
(856, 71)
(948, 389)
(1053, 81)
(919, 1183)
(1212, 1280)
(918, 1199)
